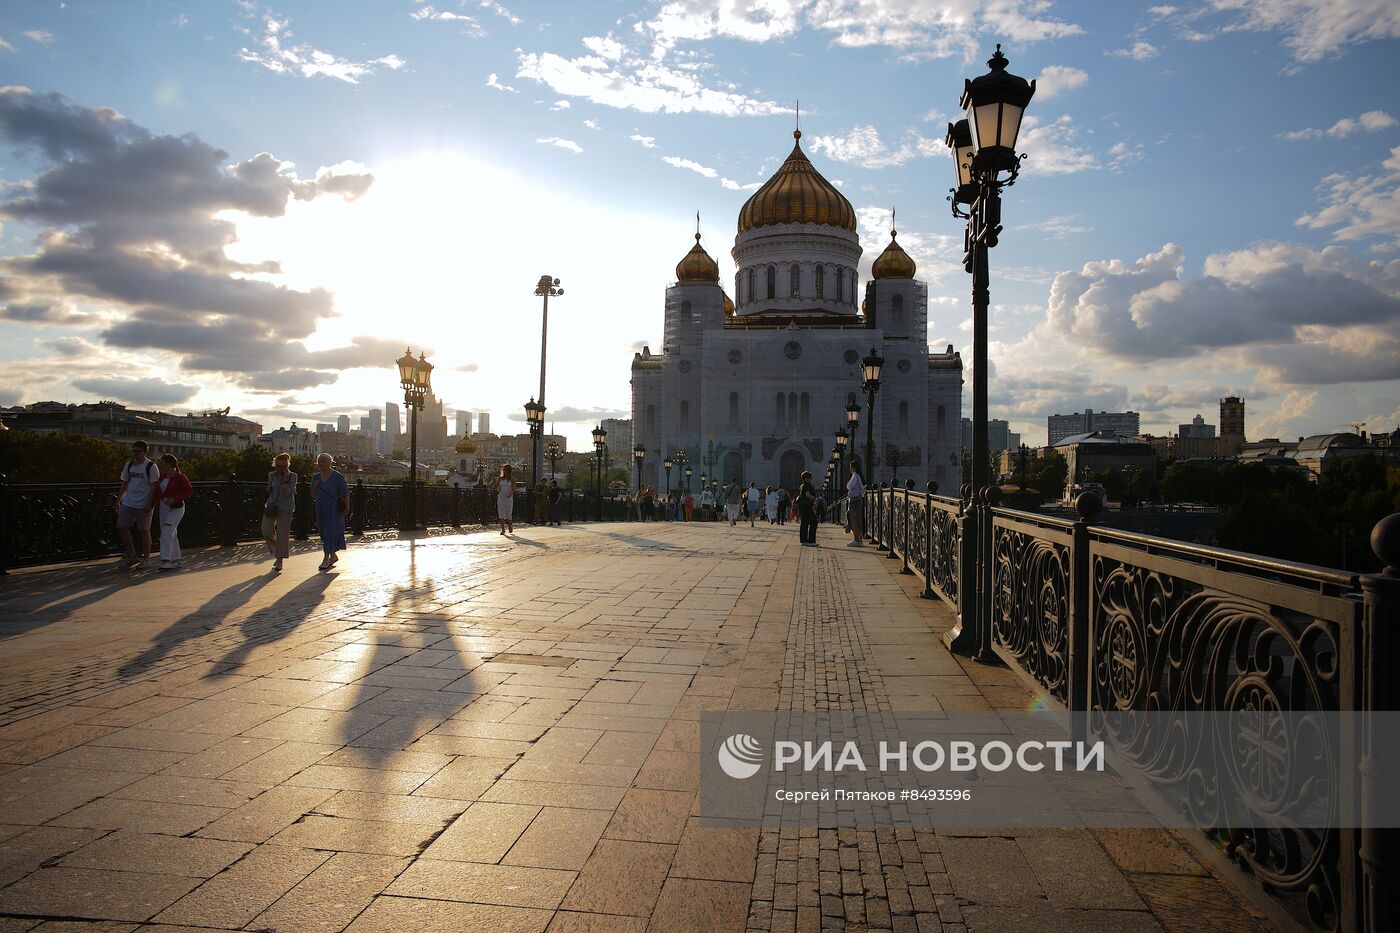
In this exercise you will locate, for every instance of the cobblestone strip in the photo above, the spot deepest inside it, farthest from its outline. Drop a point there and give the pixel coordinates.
(838, 879)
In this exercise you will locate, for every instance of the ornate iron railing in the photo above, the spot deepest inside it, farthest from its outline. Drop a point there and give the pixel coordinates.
(1104, 621)
(53, 523)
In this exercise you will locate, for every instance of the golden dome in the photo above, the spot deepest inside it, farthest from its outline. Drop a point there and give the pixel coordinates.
(697, 265)
(894, 262)
(465, 446)
(728, 306)
(797, 194)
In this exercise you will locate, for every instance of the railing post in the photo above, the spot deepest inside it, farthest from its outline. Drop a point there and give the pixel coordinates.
(904, 555)
(877, 518)
(232, 501)
(301, 514)
(1379, 851)
(6, 545)
(927, 532)
(986, 578)
(357, 508)
(456, 506)
(1088, 505)
(961, 637)
(893, 510)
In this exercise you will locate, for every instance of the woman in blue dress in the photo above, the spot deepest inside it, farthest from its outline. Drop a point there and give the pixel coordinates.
(331, 495)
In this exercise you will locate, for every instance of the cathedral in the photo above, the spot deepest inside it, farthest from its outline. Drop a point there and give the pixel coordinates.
(754, 388)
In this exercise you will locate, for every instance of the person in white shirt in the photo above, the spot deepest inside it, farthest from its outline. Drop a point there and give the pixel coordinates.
(770, 503)
(707, 504)
(755, 496)
(855, 492)
(135, 502)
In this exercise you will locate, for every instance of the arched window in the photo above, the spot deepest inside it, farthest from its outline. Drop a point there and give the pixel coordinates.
(782, 411)
(685, 416)
(853, 288)
(750, 293)
(795, 281)
(733, 409)
(821, 280)
(772, 281)
(840, 284)
(903, 417)
(942, 427)
(651, 420)
(806, 412)
(792, 407)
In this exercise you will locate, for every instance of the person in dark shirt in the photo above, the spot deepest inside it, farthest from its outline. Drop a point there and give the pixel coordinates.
(807, 512)
(556, 496)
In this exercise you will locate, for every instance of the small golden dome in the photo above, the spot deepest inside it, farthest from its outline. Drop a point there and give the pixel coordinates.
(728, 306)
(697, 266)
(797, 194)
(894, 262)
(465, 446)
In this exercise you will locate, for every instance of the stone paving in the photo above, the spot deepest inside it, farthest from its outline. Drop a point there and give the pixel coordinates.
(471, 732)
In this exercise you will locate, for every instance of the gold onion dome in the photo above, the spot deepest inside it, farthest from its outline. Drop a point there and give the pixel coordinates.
(728, 306)
(465, 446)
(697, 266)
(797, 194)
(894, 262)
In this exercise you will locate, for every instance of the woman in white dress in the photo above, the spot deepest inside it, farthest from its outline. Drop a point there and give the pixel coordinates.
(770, 504)
(505, 500)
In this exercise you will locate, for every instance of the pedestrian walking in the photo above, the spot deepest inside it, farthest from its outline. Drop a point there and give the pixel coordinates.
(807, 503)
(556, 503)
(754, 497)
(331, 496)
(648, 504)
(175, 490)
(135, 502)
(770, 504)
(505, 499)
(855, 492)
(278, 508)
(689, 504)
(784, 503)
(707, 504)
(733, 502)
(541, 498)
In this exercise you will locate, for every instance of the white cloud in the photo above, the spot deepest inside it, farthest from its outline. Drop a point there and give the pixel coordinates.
(1121, 153)
(592, 124)
(648, 142)
(560, 105)
(1362, 207)
(605, 47)
(863, 146)
(1056, 79)
(43, 37)
(1315, 29)
(687, 164)
(649, 87)
(568, 144)
(5, 46)
(446, 16)
(493, 81)
(936, 255)
(1053, 148)
(1162, 11)
(500, 11)
(1139, 51)
(1372, 121)
(306, 61)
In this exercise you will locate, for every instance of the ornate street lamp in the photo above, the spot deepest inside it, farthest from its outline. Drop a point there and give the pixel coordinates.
(553, 452)
(853, 417)
(688, 473)
(534, 417)
(415, 377)
(668, 463)
(599, 443)
(870, 369)
(546, 288)
(639, 455)
(983, 147)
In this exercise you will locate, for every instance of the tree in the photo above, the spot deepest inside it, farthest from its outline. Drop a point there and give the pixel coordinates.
(1049, 474)
(60, 458)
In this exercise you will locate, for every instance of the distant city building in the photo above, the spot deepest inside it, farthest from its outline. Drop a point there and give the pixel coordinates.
(620, 435)
(1095, 451)
(342, 424)
(1232, 439)
(297, 441)
(1197, 428)
(483, 422)
(464, 423)
(391, 420)
(358, 448)
(182, 435)
(1124, 423)
(999, 435)
(323, 428)
(1320, 452)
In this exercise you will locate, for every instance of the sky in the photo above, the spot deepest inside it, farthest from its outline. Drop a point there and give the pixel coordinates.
(259, 206)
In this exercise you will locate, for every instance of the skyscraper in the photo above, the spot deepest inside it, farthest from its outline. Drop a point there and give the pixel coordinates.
(483, 422)
(1231, 425)
(391, 419)
(1059, 427)
(342, 424)
(374, 419)
(464, 423)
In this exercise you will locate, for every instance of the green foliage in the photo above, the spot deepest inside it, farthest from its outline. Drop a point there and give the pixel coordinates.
(1281, 513)
(59, 458)
(1048, 474)
(1113, 483)
(251, 465)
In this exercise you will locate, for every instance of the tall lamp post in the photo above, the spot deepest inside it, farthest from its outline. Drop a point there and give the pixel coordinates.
(639, 455)
(599, 442)
(553, 452)
(668, 463)
(688, 473)
(546, 288)
(415, 376)
(984, 156)
(870, 369)
(534, 417)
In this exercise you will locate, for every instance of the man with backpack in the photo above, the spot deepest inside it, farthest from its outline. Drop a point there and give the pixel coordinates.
(135, 503)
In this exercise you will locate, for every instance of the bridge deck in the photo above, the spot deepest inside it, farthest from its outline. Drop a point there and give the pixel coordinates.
(473, 732)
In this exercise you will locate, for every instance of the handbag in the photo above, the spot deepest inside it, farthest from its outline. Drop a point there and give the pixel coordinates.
(271, 511)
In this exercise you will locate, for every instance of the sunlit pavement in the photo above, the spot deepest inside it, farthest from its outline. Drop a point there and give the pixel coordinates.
(477, 732)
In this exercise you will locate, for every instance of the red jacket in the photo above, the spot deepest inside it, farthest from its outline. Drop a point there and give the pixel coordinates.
(178, 487)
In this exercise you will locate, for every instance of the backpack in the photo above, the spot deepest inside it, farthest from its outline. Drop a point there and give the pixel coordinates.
(131, 463)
